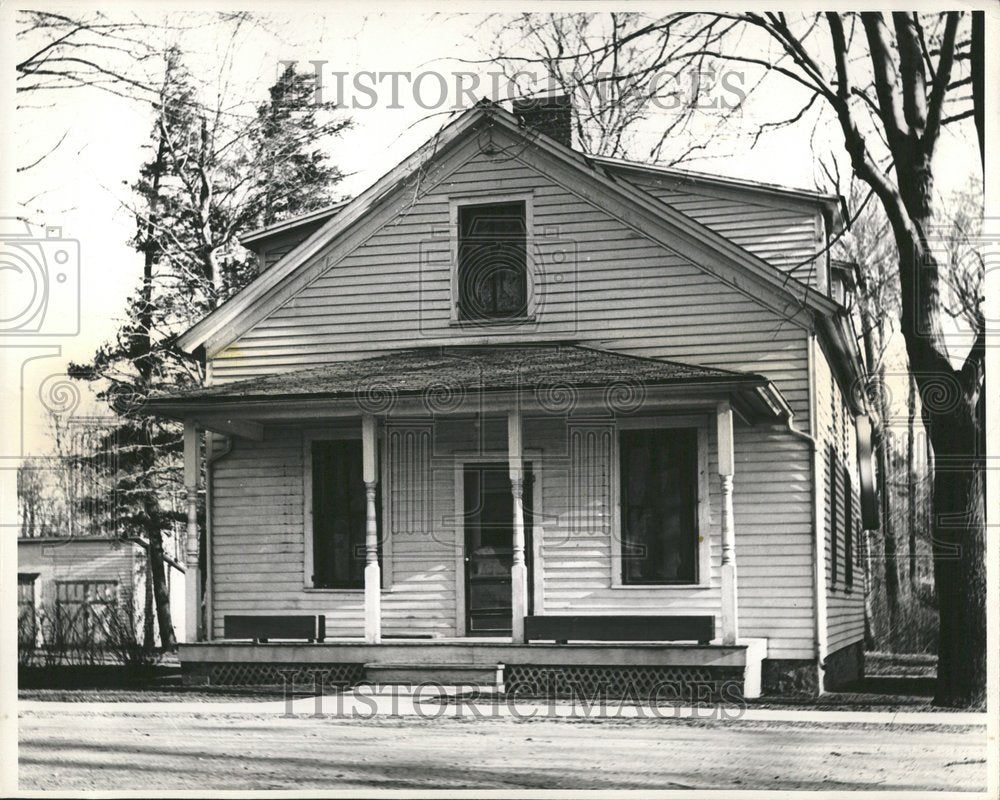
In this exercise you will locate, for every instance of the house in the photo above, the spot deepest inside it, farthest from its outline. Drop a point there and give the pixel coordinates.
(66, 585)
(517, 412)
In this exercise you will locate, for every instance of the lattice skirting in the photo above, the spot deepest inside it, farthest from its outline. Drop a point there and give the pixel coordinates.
(642, 683)
(249, 673)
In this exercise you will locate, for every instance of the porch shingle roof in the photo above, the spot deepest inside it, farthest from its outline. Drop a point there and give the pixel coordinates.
(469, 368)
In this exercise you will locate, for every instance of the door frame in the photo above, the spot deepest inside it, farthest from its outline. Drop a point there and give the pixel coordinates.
(497, 457)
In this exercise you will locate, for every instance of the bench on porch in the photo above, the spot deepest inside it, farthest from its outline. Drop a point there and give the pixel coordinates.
(260, 628)
(619, 628)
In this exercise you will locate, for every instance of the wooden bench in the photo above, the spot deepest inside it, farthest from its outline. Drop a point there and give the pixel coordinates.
(311, 627)
(620, 628)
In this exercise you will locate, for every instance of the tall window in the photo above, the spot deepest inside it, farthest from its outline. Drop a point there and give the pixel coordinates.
(492, 261)
(339, 514)
(833, 517)
(848, 531)
(26, 606)
(659, 489)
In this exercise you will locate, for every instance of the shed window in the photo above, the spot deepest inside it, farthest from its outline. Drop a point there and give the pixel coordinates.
(339, 514)
(83, 609)
(659, 487)
(26, 605)
(492, 261)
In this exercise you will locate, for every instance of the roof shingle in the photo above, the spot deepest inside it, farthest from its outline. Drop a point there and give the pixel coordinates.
(498, 367)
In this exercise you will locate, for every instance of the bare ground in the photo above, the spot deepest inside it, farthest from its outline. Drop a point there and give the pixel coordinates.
(111, 749)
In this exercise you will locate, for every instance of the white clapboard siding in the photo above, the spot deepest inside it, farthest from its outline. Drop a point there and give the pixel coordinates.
(844, 608)
(79, 559)
(618, 291)
(258, 560)
(614, 287)
(785, 234)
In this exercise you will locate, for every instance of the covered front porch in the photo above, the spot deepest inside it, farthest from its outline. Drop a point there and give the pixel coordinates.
(489, 491)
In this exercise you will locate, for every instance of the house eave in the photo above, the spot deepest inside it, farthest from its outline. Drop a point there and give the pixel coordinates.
(824, 199)
(255, 236)
(756, 401)
(837, 331)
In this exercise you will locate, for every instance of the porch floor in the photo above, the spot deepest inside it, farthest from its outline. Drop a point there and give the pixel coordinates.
(198, 660)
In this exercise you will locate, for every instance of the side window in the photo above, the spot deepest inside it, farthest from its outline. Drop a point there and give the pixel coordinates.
(492, 262)
(848, 531)
(339, 514)
(834, 505)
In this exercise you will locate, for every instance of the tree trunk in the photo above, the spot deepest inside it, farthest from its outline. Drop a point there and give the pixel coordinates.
(951, 403)
(957, 527)
(870, 642)
(911, 482)
(876, 367)
(891, 551)
(161, 592)
(143, 350)
(148, 638)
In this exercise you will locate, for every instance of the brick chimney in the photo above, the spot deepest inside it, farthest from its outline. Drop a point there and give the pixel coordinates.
(551, 115)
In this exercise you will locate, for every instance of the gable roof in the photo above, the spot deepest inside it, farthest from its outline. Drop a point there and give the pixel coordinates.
(646, 214)
(824, 200)
(275, 228)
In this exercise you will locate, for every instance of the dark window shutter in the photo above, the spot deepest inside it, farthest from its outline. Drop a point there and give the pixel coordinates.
(834, 503)
(658, 479)
(848, 530)
(339, 514)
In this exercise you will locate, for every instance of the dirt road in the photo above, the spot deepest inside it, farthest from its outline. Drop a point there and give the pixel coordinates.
(109, 749)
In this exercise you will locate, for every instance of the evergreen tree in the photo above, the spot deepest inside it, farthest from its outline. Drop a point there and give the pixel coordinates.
(289, 129)
(211, 177)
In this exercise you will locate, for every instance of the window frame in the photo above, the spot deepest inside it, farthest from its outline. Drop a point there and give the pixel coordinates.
(332, 434)
(833, 466)
(86, 604)
(459, 201)
(29, 579)
(848, 530)
(702, 514)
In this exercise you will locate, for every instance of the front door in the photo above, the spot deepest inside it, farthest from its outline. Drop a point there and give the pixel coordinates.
(489, 552)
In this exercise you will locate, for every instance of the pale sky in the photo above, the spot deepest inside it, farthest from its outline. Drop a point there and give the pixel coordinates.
(84, 183)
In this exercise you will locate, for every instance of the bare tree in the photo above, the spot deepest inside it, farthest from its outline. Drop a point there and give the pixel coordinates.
(890, 83)
(68, 52)
(870, 249)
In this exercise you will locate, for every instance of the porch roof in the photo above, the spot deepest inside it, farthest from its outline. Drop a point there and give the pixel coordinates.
(461, 370)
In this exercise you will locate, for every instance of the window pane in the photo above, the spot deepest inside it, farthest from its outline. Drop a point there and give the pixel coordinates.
(491, 261)
(658, 480)
(339, 513)
(82, 609)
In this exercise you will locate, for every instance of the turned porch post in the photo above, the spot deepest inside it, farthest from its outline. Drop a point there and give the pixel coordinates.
(730, 619)
(192, 577)
(518, 569)
(373, 575)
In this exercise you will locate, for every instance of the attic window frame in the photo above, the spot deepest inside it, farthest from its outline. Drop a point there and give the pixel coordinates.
(456, 203)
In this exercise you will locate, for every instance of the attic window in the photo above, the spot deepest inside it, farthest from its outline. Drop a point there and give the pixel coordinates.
(492, 262)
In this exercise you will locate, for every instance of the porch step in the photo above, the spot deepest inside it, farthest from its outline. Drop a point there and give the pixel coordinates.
(436, 672)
